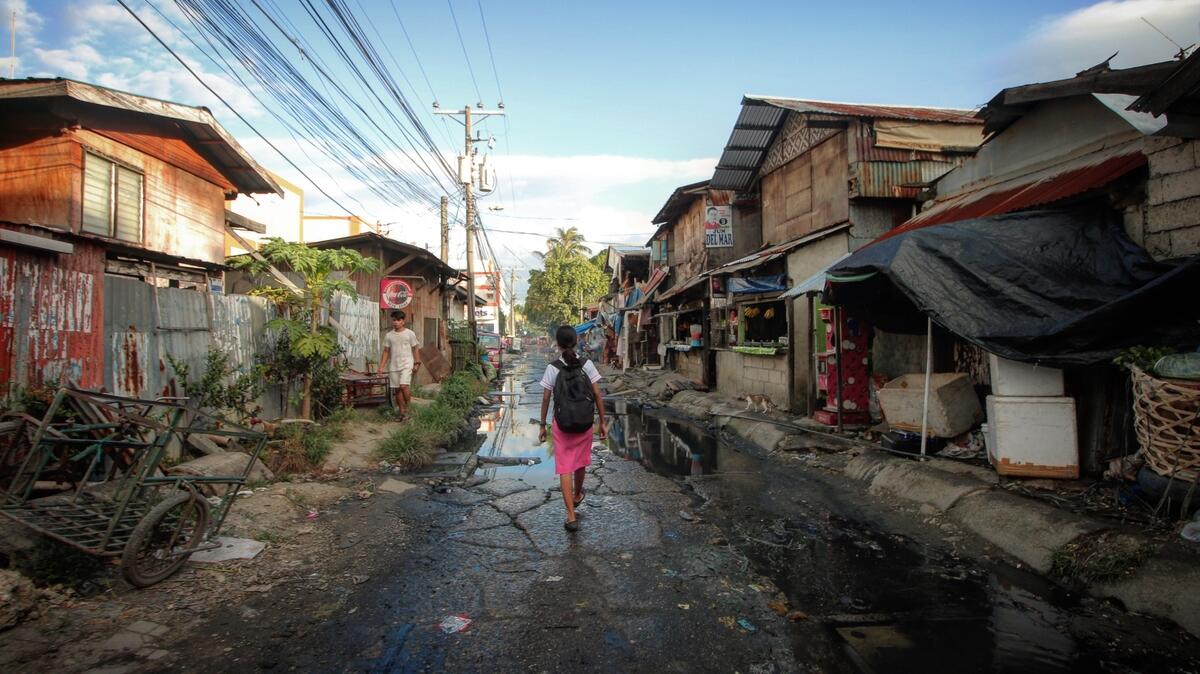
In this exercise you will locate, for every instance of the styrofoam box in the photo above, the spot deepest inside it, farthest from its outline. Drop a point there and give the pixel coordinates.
(1014, 378)
(1033, 436)
(953, 405)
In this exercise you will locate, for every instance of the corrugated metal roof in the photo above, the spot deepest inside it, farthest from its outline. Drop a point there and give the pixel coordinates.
(872, 110)
(208, 136)
(407, 248)
(761, 118)
(895, 179)
(684, 287)
(1002, 195)
(680, 199)
(774, 252)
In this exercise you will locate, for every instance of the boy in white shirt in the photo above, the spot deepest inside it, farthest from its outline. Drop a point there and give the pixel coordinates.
(402, 358)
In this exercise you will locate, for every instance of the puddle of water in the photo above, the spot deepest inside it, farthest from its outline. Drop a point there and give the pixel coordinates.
(512, 429)
(896, 606)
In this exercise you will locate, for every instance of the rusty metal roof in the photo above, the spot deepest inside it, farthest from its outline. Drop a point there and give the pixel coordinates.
(770, 253)
(356, 240)
(761, 118)
(676, 203)
(871, 110)
(208, 137)
(1007, 194)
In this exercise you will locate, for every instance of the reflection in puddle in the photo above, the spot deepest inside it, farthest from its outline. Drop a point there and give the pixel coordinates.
(666, 447)
(894, 605)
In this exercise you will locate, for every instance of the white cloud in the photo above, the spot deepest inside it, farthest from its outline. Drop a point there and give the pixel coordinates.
(75, 62)
(1062, 45)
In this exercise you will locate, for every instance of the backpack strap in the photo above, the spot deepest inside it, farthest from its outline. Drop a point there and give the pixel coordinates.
(555, 364)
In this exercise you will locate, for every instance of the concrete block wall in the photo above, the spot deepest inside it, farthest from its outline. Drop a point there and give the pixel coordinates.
(739, 373)
(1172, 221)
(690, 364)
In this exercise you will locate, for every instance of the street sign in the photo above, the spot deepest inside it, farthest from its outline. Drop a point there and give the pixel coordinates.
(394, 293)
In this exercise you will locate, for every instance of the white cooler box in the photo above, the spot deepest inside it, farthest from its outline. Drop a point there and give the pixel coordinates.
(1033, 436)
(1013, 378)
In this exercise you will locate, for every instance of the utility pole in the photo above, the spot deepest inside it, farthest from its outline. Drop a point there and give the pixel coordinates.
(466, 176)
(446, 229)
(512, 300)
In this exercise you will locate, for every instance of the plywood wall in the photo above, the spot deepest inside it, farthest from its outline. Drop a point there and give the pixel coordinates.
(41, 180)
(807, 194)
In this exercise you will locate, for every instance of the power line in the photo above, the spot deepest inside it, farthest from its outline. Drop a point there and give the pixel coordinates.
(227, 105)
(463, 44)
(491, 55)
(602, 243)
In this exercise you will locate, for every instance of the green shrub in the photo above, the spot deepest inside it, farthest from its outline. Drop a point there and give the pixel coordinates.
(432, 426)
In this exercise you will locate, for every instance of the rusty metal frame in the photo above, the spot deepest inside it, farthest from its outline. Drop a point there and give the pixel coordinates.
(108, 428)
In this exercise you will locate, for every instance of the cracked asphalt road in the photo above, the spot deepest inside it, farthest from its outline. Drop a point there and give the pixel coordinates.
(695, 572)
(638, 588)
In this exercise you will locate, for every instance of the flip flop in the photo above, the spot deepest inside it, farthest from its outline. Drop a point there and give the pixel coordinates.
(571, 525)
(582, 494)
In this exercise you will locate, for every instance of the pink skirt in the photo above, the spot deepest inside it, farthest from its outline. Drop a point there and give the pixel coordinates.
(572, 451)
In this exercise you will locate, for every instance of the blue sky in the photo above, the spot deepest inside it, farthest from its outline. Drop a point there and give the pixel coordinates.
(612, 104)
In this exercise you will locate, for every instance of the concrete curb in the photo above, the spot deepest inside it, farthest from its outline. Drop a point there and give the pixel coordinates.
(1025, 529)
(1160, 586)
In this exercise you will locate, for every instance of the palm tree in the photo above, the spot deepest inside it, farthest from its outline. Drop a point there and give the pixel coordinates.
(567, 242)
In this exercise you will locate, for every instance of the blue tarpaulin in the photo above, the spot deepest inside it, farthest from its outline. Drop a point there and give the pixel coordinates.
(588, 325)
(758, 284)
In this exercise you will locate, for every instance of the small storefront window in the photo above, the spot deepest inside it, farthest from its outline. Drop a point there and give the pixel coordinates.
(762, 323)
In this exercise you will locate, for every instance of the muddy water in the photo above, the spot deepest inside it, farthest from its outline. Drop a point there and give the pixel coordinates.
(894, 605)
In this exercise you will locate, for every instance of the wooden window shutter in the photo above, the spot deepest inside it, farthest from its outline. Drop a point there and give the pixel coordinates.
(129, 205)
(97, 195)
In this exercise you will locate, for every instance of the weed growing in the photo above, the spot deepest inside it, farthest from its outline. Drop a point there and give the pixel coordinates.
(1098, 559)
(414, 443)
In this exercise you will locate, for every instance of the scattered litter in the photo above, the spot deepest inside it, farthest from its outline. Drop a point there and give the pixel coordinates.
(687, 516)
(718, 541)
(778, 607)
(1191, 532)
(231, 548)
(626, 555)
(756, 587)
(670, 573)
(365, 494)
(747, 625)
(359, 580)
(453, 624)
(552, 579)
(312, 515)
(727, 621)
(248, 492)
(684, 606)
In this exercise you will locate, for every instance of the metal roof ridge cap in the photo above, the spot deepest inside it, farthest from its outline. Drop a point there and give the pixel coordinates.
(762, 99)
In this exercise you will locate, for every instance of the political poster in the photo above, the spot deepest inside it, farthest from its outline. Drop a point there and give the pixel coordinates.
(718, 226)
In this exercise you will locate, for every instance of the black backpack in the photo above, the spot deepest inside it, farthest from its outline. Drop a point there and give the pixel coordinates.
(574, 404)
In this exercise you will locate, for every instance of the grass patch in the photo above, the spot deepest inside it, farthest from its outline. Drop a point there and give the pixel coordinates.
(413, 444)
(302, 448)
(1098, 559)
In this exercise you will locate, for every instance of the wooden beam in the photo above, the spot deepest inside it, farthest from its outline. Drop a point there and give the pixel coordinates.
(42, 243)
(396, 265)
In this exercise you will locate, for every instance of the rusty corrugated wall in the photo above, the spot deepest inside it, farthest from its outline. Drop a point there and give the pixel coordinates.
(50, 317)
(142, 330)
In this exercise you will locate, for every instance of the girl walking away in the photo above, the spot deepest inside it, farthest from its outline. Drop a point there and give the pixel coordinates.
(572, 383)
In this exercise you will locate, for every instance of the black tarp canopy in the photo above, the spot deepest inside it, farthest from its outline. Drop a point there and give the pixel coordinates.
(1057, 287)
